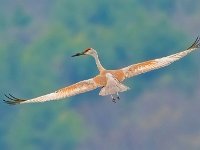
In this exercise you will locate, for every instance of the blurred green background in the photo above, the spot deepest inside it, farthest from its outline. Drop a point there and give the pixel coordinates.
(37, 38)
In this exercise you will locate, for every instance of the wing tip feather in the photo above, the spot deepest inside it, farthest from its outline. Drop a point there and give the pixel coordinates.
(12, 100)
(196, 43)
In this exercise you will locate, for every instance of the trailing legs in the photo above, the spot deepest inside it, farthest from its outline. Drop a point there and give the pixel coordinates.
(114, 99)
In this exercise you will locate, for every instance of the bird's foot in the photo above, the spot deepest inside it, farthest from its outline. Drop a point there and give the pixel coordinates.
(113, 99)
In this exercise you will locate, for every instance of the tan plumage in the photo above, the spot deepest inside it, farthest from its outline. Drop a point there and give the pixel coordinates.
(146, 66)
(80, 87)
(109, 80)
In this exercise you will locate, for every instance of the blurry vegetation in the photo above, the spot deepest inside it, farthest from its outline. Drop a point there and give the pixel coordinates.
(36, 43)
(33, 131)
(20, 18)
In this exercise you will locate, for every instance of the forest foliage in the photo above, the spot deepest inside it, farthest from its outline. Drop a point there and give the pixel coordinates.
(37, 40)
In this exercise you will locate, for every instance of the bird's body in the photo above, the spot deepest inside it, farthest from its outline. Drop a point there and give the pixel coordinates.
(109, 80)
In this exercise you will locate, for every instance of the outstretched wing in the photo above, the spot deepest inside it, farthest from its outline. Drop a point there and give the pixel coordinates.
(146, 66)
(80, 87)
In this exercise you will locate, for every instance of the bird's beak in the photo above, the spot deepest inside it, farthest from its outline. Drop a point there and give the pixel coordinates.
(78, 54)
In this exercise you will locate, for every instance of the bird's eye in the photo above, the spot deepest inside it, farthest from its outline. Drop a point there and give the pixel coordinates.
(87, 49)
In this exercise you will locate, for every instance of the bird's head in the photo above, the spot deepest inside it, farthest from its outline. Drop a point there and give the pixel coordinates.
(88, 51)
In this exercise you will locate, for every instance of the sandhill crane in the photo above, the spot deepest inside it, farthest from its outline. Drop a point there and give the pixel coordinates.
(110, 81)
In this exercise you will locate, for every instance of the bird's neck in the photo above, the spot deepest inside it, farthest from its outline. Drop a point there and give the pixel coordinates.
(98, 63)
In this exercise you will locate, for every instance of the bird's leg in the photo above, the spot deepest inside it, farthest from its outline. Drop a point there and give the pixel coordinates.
(113, 99)
(118, 96)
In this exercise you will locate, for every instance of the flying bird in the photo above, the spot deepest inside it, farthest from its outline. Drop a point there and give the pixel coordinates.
(110, 81)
